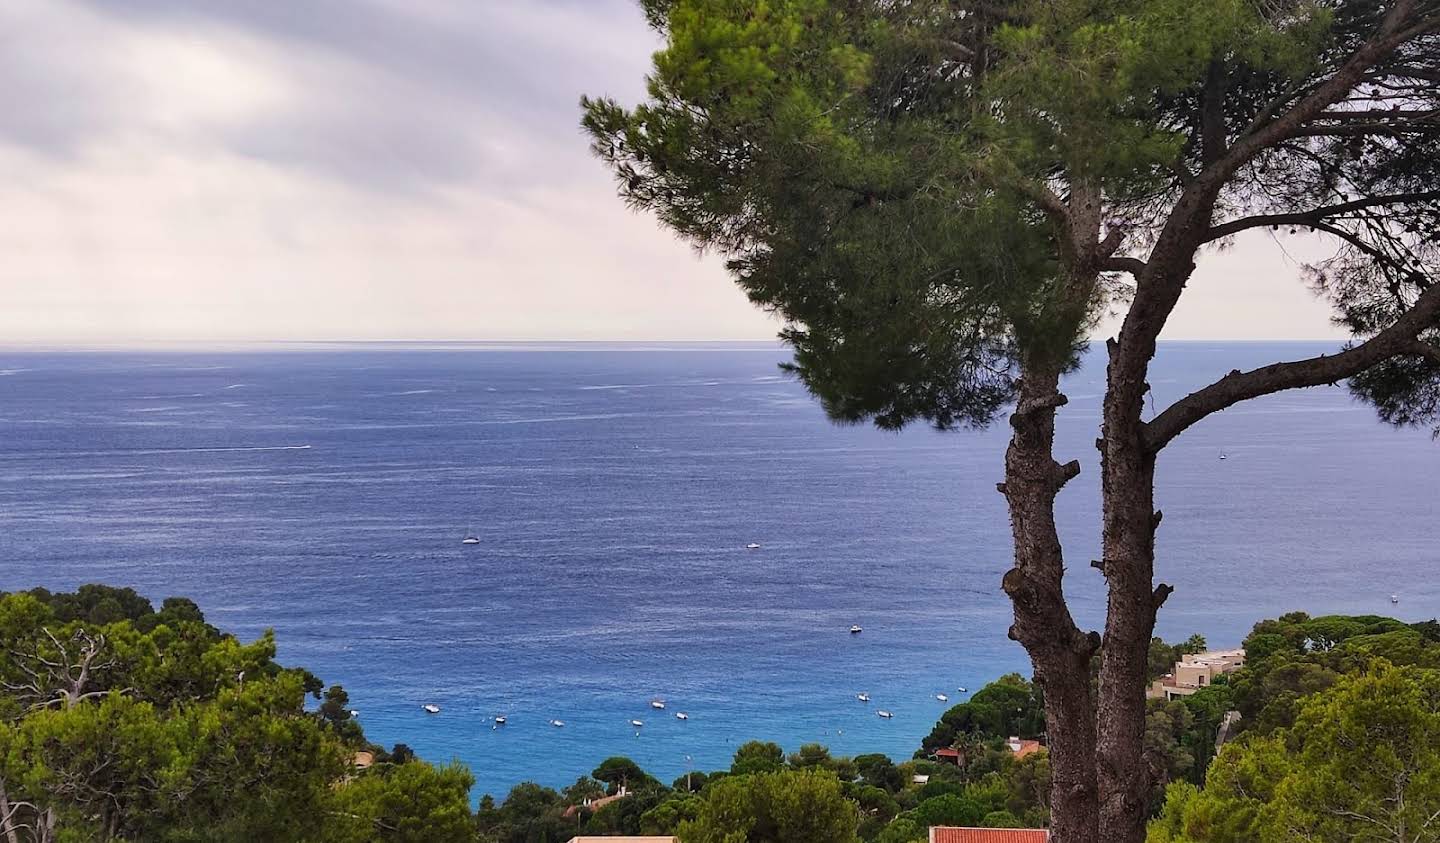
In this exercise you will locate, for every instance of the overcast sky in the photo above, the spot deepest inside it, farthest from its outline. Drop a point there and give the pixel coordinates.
(222, 170)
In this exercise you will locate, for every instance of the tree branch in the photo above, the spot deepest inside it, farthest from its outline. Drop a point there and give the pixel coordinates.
(1134, 266)
(1369, 114)
(1399, 338)
(1314, 215)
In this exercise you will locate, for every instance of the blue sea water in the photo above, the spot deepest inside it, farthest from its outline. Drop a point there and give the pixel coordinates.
(323, 491)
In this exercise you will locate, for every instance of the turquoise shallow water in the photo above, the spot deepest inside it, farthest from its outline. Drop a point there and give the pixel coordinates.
(324, 492)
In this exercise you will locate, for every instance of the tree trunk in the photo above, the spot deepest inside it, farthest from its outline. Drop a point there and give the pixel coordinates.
(1059, 651)
(1130, 520)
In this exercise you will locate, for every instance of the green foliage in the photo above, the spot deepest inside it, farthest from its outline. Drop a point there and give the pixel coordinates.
(667, 816)
(788, 806)
(1206, 710)
(949, 809)
(530, 814)
(879, 771)
(1361, 763)
(1294, 656)
(757, 757)
(410, 803)
(1008, 706)
(903, 830)
(619, 771)
(811, 755)
(1029, 786)
(692, 782)
(122, 722)
(814, 146)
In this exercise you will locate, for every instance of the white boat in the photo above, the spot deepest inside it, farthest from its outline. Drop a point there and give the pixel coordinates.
(1222, 456)
(559, 724)
(962, 690)
(855, 629)
(637, 723)
(500, 720)
(431, 708)
(354, 713)
(885, 714)
(680, 715)
(942, 698)
(863, 697)
(752, 546)
(470, 539)
(660, 704)
(1394, 598)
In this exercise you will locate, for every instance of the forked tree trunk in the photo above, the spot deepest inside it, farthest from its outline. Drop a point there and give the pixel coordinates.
(1059, 651)
(1100, 779)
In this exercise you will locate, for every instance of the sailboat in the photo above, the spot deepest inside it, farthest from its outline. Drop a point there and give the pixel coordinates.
(470, 538)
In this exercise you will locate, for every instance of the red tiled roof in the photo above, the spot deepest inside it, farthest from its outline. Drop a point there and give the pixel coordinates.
(1024, 748)
(941, 834)
(947, 752)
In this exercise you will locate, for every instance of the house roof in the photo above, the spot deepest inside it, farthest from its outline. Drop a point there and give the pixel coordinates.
(1021, 748)
(947, 752)
(946, 834)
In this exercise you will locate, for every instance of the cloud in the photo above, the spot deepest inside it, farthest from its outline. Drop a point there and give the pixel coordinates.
(211, 169)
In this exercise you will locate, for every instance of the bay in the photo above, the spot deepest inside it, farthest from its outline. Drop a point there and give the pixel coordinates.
(323, 490)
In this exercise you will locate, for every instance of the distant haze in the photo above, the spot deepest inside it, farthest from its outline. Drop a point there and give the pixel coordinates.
(212, 170)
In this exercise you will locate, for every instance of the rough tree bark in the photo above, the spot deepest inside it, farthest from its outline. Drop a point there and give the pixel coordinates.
(1060, 652)
(1128, 562)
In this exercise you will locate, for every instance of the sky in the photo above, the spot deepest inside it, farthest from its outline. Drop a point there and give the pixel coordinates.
(225, 171)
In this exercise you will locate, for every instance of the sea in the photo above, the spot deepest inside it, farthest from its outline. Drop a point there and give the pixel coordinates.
(323, 491)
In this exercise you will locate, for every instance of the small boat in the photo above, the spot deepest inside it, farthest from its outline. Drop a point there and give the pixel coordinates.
(1394, 598)
(354, 713)
(942, 698)
(559, 724)
(962, 690)
(637, 723)
(856, 629)
(752, 546)
(1222, 456)
(658, 704)
(885, 714)
(431, 708)
(500, 720)
(470, 538)
(680, 715)
(863, 697)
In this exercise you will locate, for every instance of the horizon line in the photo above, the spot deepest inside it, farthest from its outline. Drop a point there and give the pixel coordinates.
(226, 344)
